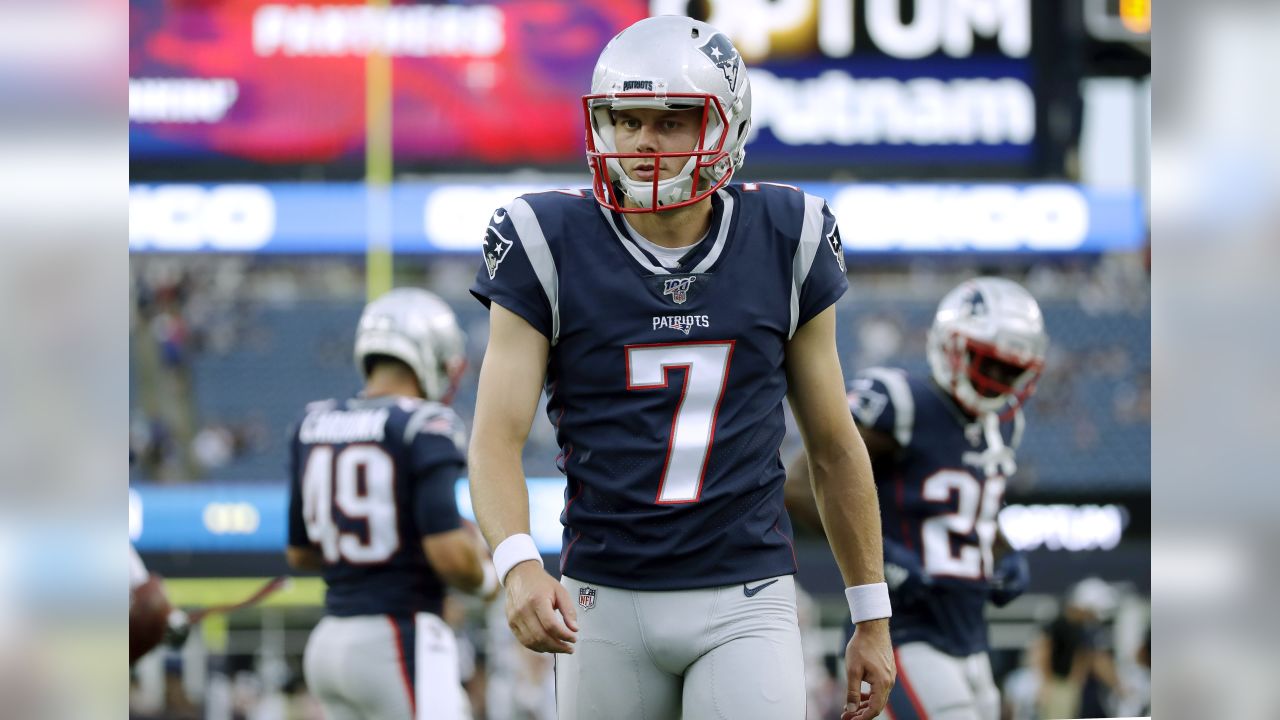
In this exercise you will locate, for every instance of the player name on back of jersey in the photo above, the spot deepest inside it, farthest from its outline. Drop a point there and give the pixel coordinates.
(341, 426)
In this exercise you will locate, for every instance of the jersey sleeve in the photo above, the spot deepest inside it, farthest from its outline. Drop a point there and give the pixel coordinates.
(507, 275)
(825, 281)
(437, 450)
(297, 525)
(880, 399)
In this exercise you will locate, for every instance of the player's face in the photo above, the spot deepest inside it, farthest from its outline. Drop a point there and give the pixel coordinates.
(1000, 376)
(651, 130)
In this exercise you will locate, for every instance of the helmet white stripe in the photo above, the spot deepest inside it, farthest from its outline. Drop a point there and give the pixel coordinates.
(539, 254)
(810, 236)
(904, 405)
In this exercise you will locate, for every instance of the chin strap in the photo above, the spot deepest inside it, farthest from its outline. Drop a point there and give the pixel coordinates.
(998, 458)
(681, 187)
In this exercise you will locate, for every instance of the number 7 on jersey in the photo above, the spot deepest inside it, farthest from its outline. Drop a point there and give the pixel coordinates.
(693, 429)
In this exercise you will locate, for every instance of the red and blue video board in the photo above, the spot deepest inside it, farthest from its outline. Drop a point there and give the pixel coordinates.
(935, 85)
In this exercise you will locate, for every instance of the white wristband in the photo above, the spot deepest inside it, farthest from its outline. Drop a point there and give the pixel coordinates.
(513, 551)
(868, 602)
(490, 582)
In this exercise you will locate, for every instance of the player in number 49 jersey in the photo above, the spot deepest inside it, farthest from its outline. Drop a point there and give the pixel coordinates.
(372, 506)
(942, 448)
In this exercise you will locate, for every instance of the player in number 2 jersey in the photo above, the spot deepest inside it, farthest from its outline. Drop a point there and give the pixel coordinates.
(372, 506)
(943, 448)
(667, 313)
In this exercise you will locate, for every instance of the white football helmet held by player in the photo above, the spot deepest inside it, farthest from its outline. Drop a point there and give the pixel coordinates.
(668, 62)
(987, 345)
(419, 329)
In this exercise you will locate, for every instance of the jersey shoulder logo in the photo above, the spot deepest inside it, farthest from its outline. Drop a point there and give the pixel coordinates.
(866, 403)
(496, 248)
(721, 52)
(677, 288)
(833, 239)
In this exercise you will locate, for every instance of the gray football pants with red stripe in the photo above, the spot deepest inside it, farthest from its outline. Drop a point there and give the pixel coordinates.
(377, 667)
(933, 685)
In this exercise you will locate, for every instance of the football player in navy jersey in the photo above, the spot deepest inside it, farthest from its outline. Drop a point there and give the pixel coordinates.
(667, 313)
(373, 508)
(942, 448)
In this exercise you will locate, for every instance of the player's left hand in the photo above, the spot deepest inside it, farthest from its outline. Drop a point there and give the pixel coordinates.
(868, 658)
(1011, 578)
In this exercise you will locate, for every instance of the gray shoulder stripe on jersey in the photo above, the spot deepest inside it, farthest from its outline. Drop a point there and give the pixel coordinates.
(904, 405)
(630, 246)
(419, 418)
(810, 236)
(539, 254)
(430, 411)
(1019, 424)
(726, 216)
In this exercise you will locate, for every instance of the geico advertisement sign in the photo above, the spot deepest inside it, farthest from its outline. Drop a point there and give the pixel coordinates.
(875, 218)
(233, 218)
(930, 218)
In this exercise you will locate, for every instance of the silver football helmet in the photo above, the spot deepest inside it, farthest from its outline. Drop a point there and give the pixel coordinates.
(669, 62)
(987, 345)
(419, 329)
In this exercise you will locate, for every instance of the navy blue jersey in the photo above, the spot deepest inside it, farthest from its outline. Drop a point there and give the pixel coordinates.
(369, 479)
(666, 386)
(939, 497)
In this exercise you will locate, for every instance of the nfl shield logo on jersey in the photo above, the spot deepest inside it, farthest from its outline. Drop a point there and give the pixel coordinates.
(586, 598)
(677, 288)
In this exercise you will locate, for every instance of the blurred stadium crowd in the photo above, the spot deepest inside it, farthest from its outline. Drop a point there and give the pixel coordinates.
(226, 351)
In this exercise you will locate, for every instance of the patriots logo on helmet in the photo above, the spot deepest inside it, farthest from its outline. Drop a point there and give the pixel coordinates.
(496, 248)
(677, 288)
(586, 598)
(837, 247)
(725, 56)
(976, 303)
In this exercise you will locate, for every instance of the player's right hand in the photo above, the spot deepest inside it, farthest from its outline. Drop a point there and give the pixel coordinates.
(539, 610)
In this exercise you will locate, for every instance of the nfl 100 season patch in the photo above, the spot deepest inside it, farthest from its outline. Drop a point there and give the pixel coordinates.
(679, 289)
